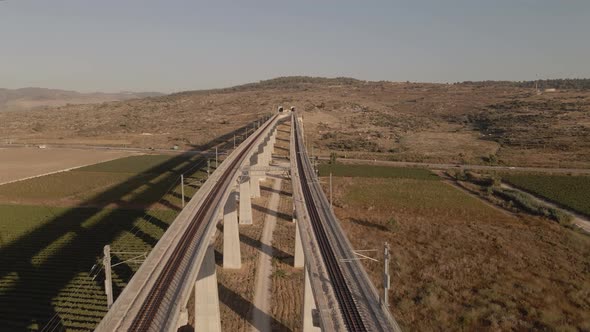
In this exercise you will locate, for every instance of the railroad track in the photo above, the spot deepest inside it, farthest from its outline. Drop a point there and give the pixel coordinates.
(151, 306)
(348, 307)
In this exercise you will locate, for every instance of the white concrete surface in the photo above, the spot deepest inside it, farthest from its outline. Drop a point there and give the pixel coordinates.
(232, 258)
(245, 217)
(207, 316)
(308, 306)
(299, 258)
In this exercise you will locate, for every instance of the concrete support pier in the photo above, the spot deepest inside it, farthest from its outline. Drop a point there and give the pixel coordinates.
(308, 306)
(265, 155)
(255, 178)
(245, 216)
(254, 185)
(299, 259)
(231, 235)
(273, 137)
(207, 316)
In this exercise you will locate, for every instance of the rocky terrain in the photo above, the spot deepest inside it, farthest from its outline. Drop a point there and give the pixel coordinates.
(456, 123)
(39, 98)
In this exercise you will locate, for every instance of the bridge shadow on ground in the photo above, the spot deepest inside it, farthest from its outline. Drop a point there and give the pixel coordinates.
(246, 309)
(256, 244)
(272, 190)
(280, 215)
(45, 272)
(281, 148)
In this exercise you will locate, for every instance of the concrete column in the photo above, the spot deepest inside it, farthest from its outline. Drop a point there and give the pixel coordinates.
(245, 216)
(207, 316)
(308, 306)
(264, 156)
(254, 185)
(255, 161)
(261, 151)
(268, 153)
(231, 235)
(269, 149)
(299, 258)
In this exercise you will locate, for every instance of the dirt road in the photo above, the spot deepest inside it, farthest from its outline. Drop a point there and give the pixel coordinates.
(578, 220)
(261, 319)
(580, 171)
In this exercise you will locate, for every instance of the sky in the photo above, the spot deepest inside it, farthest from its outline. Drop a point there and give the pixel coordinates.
(176, 45)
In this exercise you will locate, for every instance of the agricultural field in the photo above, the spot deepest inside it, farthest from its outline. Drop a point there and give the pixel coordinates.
(136, 181)
(461, 264)
(53, 230)
(372, 171)
(572, 192)
(20, 163)
(46, 273)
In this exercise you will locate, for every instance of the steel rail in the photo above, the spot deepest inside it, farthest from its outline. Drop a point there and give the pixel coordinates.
(151, 305)
(348, 307)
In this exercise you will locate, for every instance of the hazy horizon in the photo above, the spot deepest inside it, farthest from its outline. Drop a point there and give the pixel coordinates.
(170, 46)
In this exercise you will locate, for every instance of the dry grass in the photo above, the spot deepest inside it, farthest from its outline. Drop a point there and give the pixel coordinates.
(236, 287)
(459, 264)
(39, 98)
(287, 281)
(382, 120)
(183, 119)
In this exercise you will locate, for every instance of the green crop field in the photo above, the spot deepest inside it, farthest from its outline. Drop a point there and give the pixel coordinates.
(136, 180)
(53, 230)
(569, 191)
(47, 254)
(61, 185)
(433, 198)
(133, 164)
(375, 171)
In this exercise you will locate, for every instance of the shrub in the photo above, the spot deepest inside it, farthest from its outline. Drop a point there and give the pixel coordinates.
(528, 204)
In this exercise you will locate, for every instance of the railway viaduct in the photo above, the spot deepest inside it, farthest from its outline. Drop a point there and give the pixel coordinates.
(338, 294)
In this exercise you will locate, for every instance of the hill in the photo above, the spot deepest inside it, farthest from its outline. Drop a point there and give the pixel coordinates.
(492, 123)
(36, 98)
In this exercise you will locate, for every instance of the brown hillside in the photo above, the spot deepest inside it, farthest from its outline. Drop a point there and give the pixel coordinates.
(492, 123)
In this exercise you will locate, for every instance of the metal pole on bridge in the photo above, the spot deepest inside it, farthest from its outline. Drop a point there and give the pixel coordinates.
(331, 204)
(108, 281)
(208, 165)
(386, 278)
(182, 188)
(216, 163)
(234, 141)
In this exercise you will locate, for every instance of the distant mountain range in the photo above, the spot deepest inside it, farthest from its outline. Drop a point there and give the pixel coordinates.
(34, 98)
